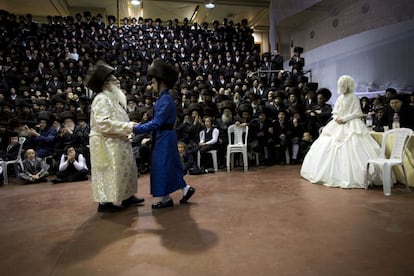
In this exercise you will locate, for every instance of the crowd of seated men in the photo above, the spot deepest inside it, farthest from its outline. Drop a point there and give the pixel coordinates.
(43, 67)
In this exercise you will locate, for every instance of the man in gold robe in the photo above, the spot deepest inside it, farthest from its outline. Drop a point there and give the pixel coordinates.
(114, 172)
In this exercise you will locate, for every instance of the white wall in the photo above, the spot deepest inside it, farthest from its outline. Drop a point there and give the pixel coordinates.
(383, 56)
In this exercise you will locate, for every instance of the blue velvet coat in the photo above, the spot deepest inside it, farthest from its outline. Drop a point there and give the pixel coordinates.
(166, 169)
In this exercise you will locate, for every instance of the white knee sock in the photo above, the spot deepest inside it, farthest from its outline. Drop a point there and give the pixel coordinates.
(165, 198)
(295, 150)
(185, 189)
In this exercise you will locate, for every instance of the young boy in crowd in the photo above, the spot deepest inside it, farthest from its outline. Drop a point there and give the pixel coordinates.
(72, 167)
(34, 168)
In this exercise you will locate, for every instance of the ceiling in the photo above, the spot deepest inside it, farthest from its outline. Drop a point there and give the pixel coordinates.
(293, 14)
(257, 12)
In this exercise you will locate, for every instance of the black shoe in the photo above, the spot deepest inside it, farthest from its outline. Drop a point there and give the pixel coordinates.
(57, 180)
(132, 200)
(160, 204)
(187, 196)
(210, 171)
(109, 208)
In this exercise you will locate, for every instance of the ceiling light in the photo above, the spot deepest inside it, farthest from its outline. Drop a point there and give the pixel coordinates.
(135, 2)
(210, 5)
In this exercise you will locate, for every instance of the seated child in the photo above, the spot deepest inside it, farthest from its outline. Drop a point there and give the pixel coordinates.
(34, 168)
(187, 161)
(11, 152)
(13, 148)
(72, 167)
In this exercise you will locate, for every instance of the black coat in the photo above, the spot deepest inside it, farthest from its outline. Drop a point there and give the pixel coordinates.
(406, 116)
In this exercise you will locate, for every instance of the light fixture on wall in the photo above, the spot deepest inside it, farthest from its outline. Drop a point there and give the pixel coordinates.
(135, 2)
(210, 4)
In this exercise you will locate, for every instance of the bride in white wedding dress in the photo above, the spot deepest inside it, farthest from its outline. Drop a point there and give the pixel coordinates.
(338, 157)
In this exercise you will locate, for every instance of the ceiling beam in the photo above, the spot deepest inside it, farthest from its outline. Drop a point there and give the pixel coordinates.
(242, 3)
(61, 7)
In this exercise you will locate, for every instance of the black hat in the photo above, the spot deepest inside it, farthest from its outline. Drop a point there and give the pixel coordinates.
(262, 110)
(298, 50)
(42, 102)
(196, 107)
(207, 92)
(67, 115)
(313, 86)
(56, 117)
(148, 95)
(131, 98)
(223, 97)
(245, 108)
(326, 93)
(73, 102)
(289, 82)
(47, 116)
(397, 97)
(186, 112)
(5, 103)
(285, 111)
(391, 90)
(279, 94)
(111, 17)
(302, 79)
(209, 111)
(228, 105)
(294, 91)
(87, 14)
(202, 86)
(163, 71)
(378, 107)
(82, 117)
(98, 76)
(192, 93)
(13, 134)
(135, 116)
(24, 103)
(184, 85)
(59, 99)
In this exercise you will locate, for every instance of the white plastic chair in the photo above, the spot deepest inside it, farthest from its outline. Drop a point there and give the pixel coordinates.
(400, 141)
(213, 156)
(237, 144)
(16, 162)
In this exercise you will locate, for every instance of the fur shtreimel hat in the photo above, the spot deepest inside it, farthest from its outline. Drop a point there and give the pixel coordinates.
(98, 76)
(68, 115)
(163, 71)
(228, 105)
(47, 116)
(326, 93)
(195, 107)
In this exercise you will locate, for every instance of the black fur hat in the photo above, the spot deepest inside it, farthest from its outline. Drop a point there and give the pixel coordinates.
(163, 71)
(98, 76)
(326, 93)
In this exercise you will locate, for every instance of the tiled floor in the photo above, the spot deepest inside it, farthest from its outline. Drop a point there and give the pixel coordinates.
(267, 221)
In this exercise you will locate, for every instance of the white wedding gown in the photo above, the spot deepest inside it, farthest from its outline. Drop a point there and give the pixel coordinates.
(338, 157)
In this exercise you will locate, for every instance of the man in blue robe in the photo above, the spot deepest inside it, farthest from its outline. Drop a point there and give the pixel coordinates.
(166, 169)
